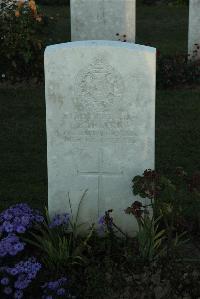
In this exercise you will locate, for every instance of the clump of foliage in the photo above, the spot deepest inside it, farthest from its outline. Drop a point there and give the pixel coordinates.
(47, 257)
(149, 236)
(56, 288)
(24, 231)
(177, 200)
(21, 26)
(59, 246)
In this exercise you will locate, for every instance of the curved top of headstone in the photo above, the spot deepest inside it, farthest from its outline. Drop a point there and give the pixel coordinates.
(99, 43)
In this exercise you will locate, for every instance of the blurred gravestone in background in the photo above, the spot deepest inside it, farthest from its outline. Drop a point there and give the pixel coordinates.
(103, 20)
(194, 30)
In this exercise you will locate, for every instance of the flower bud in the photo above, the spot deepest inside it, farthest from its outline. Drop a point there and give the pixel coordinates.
(17, 13)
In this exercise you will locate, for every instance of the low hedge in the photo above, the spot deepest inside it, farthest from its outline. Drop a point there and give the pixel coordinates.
(54, 2)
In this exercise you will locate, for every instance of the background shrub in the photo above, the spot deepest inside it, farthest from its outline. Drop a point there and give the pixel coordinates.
(54, 2)
(171, 2)
(21, 42)
(177, 70)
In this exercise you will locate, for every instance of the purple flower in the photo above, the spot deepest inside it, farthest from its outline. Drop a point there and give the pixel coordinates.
(10, 245)
(12, 252)
(31, 275)
(18, 294)
(61, 292)
(101, 228)
(13, 271)
(12, 238)
(2, 252)
(55, 287)
(62, 280)
(105, 222)
(60, 219)
(19, 246)
(5, 281)
(25, 220)
(7, 216)
(20, 229)
(19, 218)
(21, 278)
(101, 220)
(36, 267)
(22, 283)
(8, 227)
(39, 218)
(7, 290)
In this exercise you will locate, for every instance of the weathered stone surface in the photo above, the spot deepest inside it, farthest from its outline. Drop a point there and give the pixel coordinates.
(102, 20)
(100, 114)
(194, 28)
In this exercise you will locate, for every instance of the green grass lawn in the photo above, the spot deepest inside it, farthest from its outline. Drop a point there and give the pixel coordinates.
(177, 130)
(23, 161)
(23, 146)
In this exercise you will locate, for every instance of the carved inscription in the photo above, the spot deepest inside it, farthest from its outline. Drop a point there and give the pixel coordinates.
(99, 113)
(98, 87)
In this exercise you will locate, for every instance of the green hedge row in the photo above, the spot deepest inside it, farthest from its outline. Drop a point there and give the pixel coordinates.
(53, 2)
(173, 2)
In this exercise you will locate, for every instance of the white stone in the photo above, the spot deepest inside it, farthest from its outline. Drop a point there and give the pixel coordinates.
(194, 27)
(102, 20)
(100, 114)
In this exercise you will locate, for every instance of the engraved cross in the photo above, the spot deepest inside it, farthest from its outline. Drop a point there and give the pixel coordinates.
(99, 174)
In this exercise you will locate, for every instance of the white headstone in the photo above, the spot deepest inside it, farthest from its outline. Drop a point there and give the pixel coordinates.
(100, 114)
(103, 20)
(194, 28)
